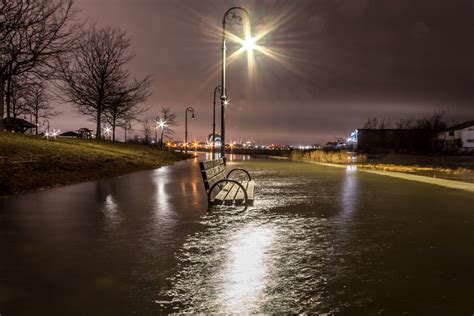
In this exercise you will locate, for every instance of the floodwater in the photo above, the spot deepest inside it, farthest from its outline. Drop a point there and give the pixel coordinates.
(317, 240)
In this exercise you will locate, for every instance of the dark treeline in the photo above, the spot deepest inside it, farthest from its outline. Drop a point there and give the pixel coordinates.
(436, 122)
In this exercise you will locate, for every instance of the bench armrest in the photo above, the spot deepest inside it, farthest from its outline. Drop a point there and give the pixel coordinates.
(240, 169)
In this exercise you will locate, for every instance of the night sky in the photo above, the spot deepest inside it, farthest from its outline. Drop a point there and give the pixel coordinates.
(338, 63)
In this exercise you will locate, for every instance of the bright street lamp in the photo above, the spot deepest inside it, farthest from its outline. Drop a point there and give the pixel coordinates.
(188, 109)
(238, 14)
(159, 124)
(249, 43)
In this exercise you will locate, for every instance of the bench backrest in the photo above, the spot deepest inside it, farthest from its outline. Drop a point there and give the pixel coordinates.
(212, 171)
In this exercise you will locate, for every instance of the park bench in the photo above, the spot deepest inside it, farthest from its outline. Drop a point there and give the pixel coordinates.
(228, 191)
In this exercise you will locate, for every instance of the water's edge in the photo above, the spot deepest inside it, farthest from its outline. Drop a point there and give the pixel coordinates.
(466, 186)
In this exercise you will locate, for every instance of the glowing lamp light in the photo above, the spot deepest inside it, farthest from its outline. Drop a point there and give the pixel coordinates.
(249, 43)
(161, 124)
(107, 130)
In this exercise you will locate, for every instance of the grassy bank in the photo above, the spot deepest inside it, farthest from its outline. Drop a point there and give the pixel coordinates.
(30, 162)
(459, 168)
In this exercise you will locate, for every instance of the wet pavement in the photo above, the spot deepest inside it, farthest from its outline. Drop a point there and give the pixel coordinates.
(317, 240)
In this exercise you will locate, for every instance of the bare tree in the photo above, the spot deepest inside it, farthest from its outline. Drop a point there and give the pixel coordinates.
(124, 105)
(18, 95)
(434, 123)
(94, 76)
(37, 103)
(372, 123)
(384, 124)
(147, 126)
(32, 33)
(126, 124)
(375, 123)
(29, 97)
(404, 123)
(168, 117)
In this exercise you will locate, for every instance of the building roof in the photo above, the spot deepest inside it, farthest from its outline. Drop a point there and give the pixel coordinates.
(69, 134)
(461, 126)
(14, 121)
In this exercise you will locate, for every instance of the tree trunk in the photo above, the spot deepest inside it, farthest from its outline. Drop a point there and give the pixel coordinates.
(9, 97)
(2, 104)
(36, 123)
(113, 130)
(161, 138)
(97, 130)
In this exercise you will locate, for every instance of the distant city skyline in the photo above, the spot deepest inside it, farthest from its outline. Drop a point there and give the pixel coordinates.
(342, 62)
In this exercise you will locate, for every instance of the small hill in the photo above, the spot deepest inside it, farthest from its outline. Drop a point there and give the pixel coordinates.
(32, 162)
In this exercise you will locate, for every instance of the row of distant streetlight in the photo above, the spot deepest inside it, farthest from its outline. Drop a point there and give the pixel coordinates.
(240, 15)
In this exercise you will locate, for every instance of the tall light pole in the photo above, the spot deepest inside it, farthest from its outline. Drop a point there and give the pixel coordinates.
(156, 131)
(216, 90)
(127, 126)
(46, 120)
(162, 125)
(188, 109)
(238, 14)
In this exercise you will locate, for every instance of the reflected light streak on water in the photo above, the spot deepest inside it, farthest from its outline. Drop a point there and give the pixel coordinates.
(245, 273)
(111, 213)
(349, 191)
(161, 198)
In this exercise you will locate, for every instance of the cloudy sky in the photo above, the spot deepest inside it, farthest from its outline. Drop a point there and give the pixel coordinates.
(336, 63)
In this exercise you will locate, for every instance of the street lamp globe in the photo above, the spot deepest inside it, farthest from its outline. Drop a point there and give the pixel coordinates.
(249, 43)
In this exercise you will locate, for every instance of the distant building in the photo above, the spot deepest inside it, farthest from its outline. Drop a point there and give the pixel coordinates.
(69, 134)
(458, 138)
(16, 125)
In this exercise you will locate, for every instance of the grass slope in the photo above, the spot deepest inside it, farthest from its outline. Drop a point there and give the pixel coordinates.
(31, 162)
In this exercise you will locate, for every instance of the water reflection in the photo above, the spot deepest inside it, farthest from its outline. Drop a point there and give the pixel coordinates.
(161, 197)
(349, 190)
(318, 241)
(111, 212)
(246, 270)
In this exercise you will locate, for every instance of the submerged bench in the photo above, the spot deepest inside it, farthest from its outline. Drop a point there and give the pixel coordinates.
(229, 191)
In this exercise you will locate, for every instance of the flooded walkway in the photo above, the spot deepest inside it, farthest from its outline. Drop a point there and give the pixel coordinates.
(317, 240)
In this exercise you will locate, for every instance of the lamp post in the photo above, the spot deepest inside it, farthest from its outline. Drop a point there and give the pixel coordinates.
(216, 90)
(46, 120)
(161, 124)
(238, 14)
(127, 126)
(188, 109)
